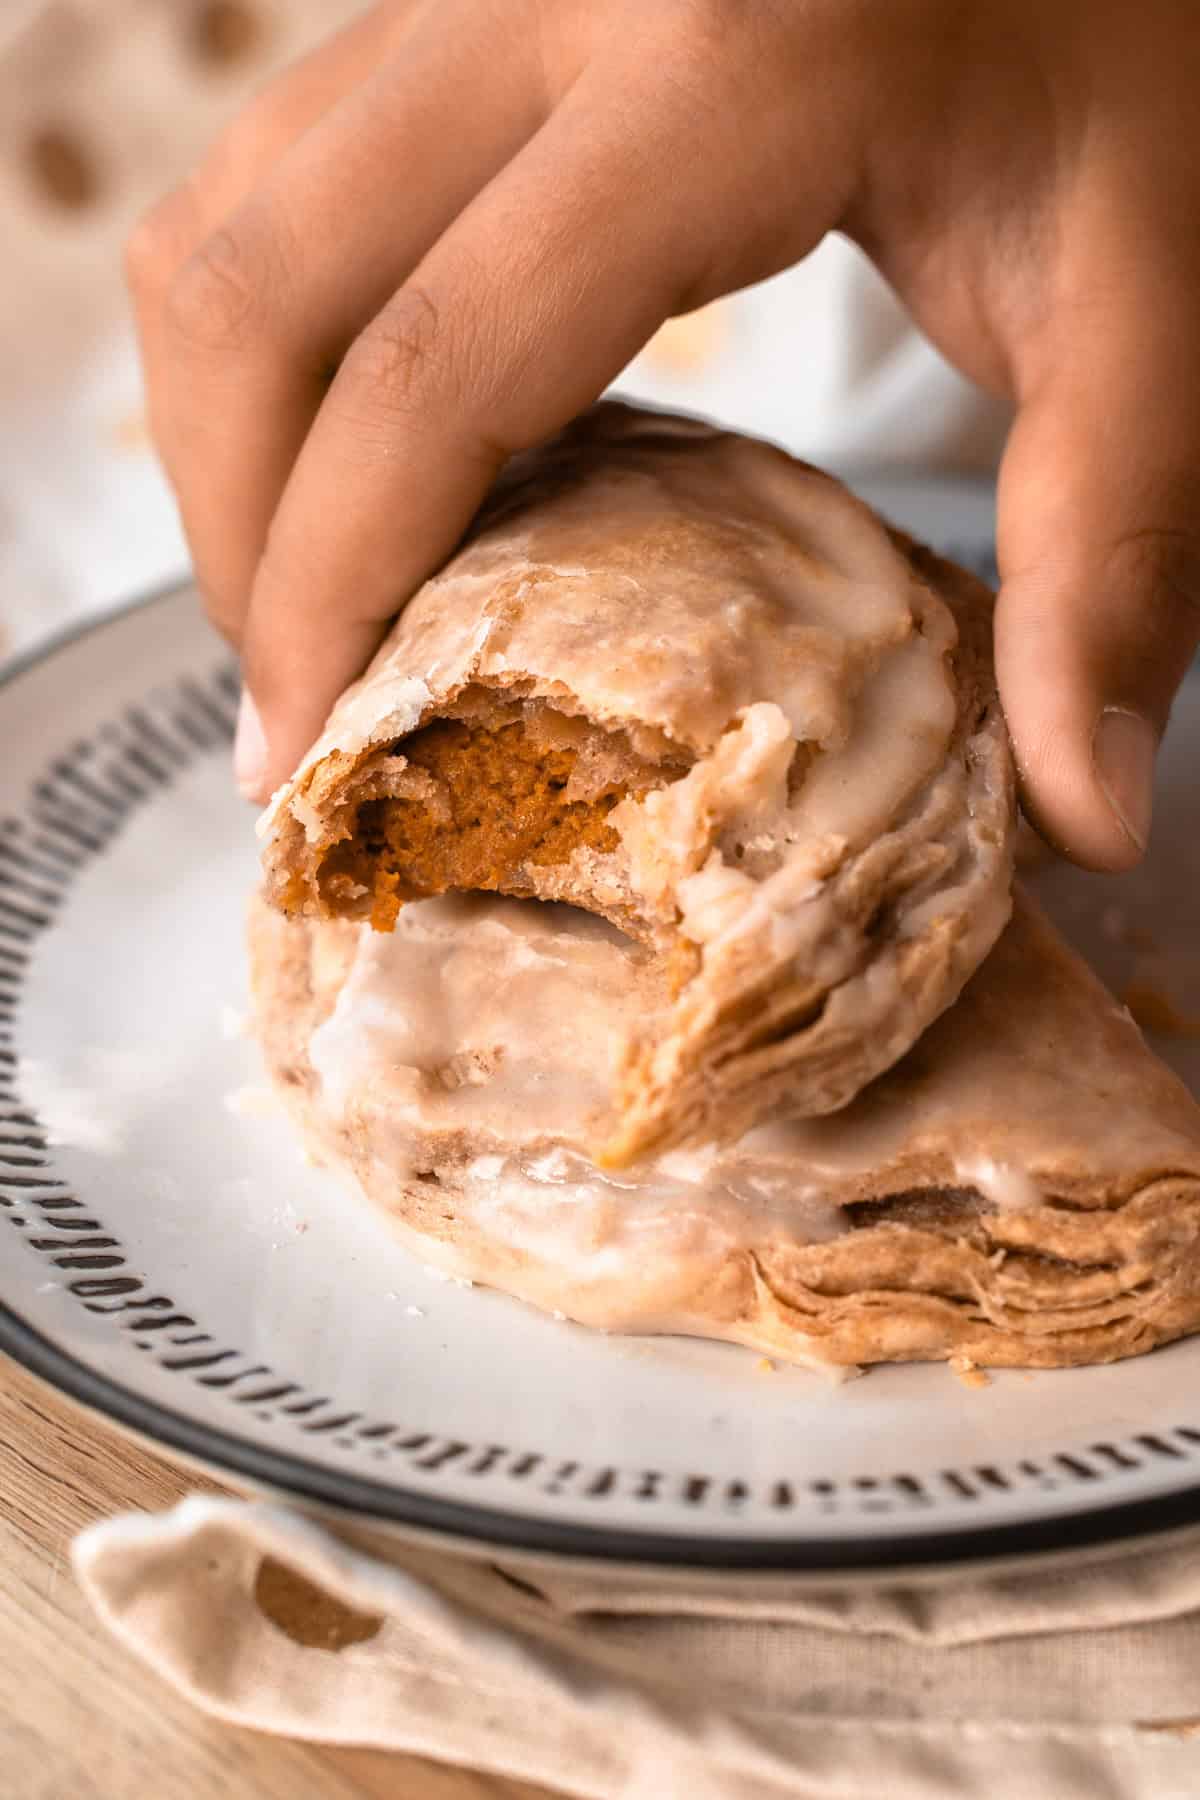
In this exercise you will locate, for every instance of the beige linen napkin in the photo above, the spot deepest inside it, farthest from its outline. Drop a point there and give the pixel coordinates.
(1063, 1683)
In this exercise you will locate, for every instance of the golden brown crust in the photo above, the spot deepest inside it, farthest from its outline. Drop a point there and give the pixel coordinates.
(784, 1044)
(1035, 1069)
(818, 829)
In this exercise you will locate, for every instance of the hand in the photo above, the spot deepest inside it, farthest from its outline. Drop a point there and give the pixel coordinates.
(438, 238)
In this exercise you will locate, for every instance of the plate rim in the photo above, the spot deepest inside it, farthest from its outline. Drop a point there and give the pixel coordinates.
(395, 1505)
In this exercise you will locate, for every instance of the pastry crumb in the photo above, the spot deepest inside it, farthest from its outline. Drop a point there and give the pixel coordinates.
(764, 1366)
(415, 1312)
(969, 1373)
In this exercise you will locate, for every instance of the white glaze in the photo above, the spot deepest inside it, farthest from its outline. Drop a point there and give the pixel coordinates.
(536, 1001)
(1007, 1186)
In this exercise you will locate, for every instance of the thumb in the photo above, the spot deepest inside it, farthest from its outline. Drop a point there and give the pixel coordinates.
(1099, 553)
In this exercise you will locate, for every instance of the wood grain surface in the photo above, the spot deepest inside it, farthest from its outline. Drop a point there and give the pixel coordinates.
(80, 1719)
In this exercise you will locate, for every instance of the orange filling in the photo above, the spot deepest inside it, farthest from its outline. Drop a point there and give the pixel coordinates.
(503, 800)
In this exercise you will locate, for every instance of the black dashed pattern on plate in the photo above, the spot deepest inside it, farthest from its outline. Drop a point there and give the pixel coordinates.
(74, 810)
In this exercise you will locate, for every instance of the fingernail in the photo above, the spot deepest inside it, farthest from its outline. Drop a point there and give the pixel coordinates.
(249, 748)
(1124, 746)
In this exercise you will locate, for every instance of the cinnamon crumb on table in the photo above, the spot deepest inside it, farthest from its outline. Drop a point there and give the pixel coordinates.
(969, 1373)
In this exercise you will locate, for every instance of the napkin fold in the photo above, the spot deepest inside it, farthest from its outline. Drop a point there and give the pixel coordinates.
(620, 1683)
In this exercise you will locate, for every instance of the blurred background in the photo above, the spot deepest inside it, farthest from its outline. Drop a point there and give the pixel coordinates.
(106, 103)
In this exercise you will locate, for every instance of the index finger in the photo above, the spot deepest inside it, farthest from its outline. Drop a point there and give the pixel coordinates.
(501, 334)
(273, 122)
(518, 317)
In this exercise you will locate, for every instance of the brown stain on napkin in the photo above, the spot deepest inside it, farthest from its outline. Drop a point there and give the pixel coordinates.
(306, 1613)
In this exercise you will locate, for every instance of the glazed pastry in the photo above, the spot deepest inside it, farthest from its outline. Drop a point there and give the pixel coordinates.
(1022, 1188)
(692, 686)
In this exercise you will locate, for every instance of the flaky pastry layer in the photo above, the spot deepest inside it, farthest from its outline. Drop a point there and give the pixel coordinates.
(1023, 1188)
(682, 681)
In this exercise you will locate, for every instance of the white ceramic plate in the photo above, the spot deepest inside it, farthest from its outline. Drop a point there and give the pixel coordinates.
(170, 1260)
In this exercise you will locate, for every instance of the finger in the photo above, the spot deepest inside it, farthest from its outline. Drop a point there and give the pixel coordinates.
(1099, 543)
(286, 108)
(517, 318)
(260, 314)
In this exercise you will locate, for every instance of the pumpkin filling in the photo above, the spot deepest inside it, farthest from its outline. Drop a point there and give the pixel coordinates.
(488, 801)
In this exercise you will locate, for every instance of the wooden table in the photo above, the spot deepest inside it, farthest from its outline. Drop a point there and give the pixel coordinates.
(80, 1718)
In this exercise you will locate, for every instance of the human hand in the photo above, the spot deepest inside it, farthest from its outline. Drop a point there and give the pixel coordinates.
(438, 238)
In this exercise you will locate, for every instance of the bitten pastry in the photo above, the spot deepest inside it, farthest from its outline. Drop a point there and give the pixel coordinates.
(692, 686)
(1022, 1188)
